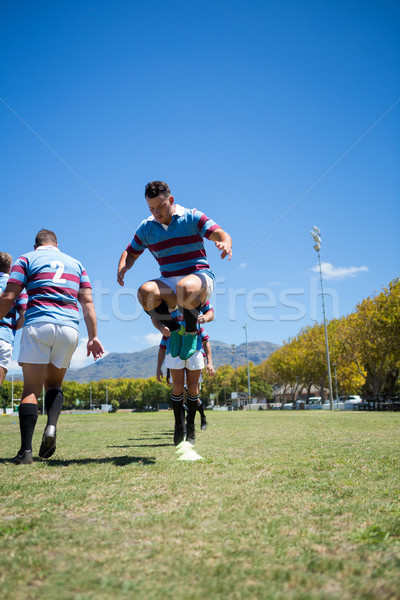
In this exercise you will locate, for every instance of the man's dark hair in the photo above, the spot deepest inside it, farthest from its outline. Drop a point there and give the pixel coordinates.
(5, 262)
(156, 188)
(45, 237)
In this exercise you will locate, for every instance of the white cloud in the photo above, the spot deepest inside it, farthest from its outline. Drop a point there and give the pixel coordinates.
(331, 272)
(242, 265)
(79, 358)
(153, 339)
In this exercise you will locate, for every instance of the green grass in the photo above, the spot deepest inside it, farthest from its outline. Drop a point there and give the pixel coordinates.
(285, 505)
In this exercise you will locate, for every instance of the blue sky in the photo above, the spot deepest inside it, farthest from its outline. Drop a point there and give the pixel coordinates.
(270, 117)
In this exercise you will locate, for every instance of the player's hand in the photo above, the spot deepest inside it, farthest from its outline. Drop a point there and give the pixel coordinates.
(163, 329)
(159, 375)
(95, 348)
(226, 248)
(121, 275)
(210, 369)
(201, 318)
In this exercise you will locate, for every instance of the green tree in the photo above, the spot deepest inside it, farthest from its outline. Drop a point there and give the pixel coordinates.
(371, 339)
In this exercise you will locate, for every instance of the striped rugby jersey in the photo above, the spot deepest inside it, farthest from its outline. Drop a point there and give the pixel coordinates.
(201, 332)
(52, 280)
(9, 322)
(177, 247)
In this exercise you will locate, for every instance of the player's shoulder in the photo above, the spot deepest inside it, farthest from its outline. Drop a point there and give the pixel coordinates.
(196, 212)
(146, 226)
(150, 221)
(69, 260)
(206, 307)
(27, 256)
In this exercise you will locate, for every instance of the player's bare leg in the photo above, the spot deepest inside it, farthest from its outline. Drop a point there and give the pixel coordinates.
(158, 300)
(3, 373)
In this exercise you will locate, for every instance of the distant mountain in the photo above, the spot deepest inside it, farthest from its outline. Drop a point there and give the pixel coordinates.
(143, 363)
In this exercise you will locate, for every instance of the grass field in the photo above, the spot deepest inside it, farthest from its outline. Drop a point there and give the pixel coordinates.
(285, 505)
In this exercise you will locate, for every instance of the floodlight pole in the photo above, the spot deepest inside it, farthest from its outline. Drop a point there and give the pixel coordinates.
(337, 399)
(236, 380)
(317, 239)
(248, 368)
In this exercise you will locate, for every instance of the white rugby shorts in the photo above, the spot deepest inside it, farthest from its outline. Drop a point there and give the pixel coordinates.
(194, 363)
(6, 350)
(46, 343)
(172, 282)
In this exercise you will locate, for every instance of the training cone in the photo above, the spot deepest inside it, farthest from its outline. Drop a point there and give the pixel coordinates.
(190, 455)
(183, 447)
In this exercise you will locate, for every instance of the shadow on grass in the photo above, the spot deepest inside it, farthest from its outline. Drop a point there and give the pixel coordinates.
(142, 446)
(119, 461)
(154, 437)
(147, 438)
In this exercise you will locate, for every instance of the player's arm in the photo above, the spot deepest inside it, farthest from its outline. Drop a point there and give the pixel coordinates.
(206, 317)
(94, 346)
(21, 305)
(8, 297)
(126, 262)
(160, 359)
(21, 319)
(223, 241)
(207, 349)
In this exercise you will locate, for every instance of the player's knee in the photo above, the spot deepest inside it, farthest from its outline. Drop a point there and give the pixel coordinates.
(146, 293)
(177, 389)
(193, 389)
(188, 294)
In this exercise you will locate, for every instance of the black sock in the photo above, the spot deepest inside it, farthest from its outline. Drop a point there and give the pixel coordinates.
(200, 408)
(179, 412)
(28, 415)
(53, 402)
(192, 407)
(161, 313)
(190, 316)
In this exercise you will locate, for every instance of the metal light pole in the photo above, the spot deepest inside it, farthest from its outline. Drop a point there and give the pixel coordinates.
(248, 368)
(337, 399)
(236, 381)
(317, 239)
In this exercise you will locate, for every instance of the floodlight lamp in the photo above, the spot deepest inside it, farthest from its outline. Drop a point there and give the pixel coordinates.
(316, 229)
(317, 247)
(316, 238)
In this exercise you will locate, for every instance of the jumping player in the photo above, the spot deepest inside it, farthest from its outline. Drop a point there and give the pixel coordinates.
(174, 235)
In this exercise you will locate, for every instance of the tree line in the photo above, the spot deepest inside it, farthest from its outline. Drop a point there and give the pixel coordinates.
(364, 351)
